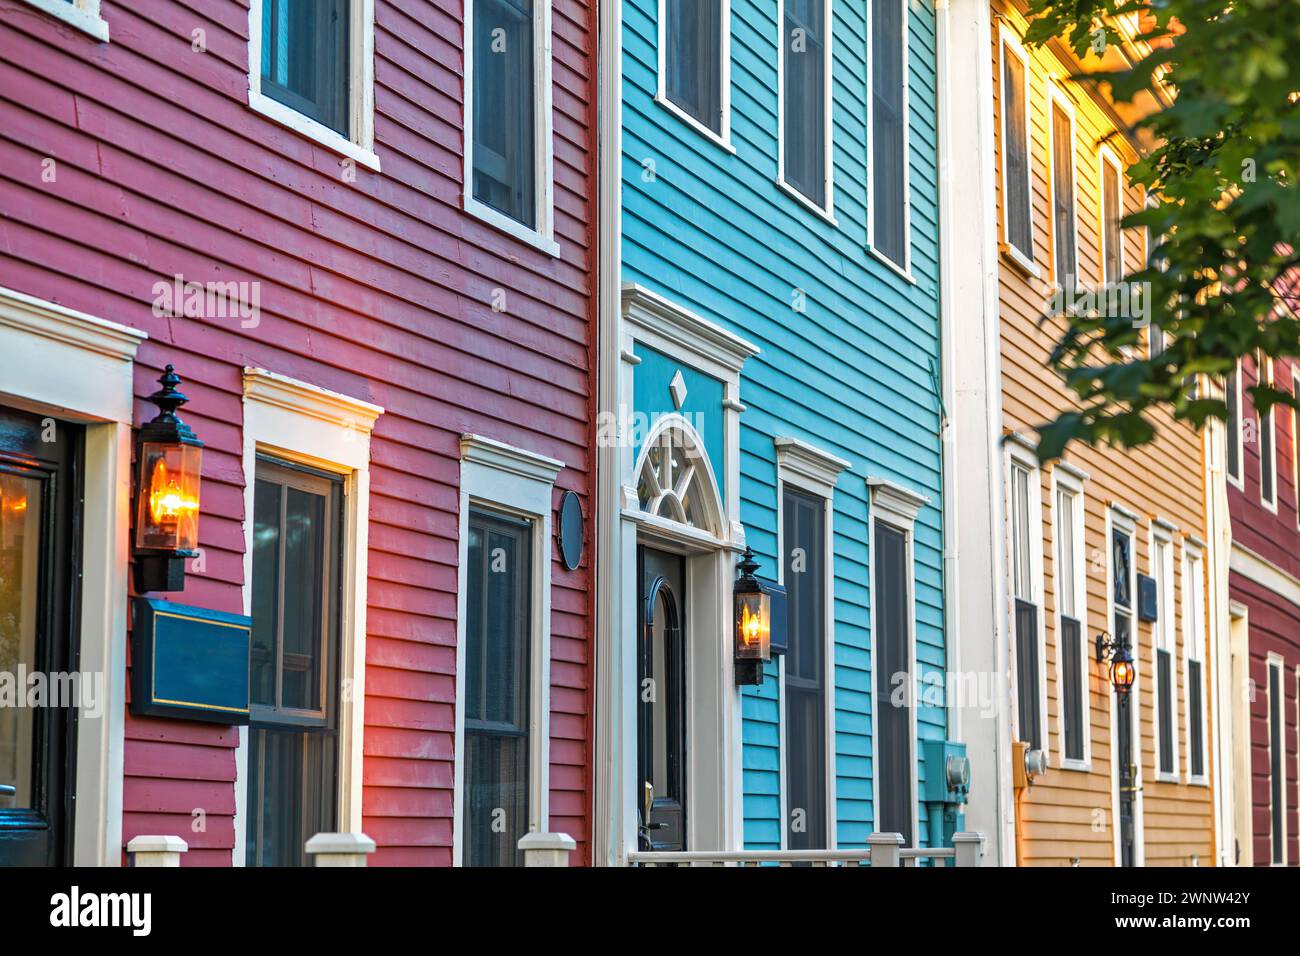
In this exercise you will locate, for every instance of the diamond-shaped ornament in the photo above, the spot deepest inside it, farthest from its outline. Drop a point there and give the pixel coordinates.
(678, 388)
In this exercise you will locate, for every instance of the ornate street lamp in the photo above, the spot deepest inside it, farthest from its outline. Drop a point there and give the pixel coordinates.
(169, 458)
(753, 616)
(1122, 669)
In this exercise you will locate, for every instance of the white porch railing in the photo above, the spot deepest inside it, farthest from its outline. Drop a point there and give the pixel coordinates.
(882, 849)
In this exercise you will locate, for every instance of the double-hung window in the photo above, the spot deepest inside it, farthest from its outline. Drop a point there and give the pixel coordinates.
(804, 543)
(1194, 648)
(1026, 549)
(1162, 569)
(1267, 439)
(293, 752)
(1071, 619)
(311, 68)
(1064, 225)
(1017, 198)
(1112, 212)
(889, 131)
(806, 98)
(508, 117)
(693, 50)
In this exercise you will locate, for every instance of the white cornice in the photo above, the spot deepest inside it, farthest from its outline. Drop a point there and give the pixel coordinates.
(1249, 564)
(653, 313)
(1072, 470)
(272, 388)
(68, 326)
(803, 464)
(902, 502)
(502, 457)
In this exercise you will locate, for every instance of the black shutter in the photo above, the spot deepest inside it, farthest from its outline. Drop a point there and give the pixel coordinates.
(1027, 673)
(1195, 734)
(893, 748)
(1165, 719)
(1073, 690)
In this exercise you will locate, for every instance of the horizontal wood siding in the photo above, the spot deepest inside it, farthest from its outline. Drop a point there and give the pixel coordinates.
(1067, 815)
(379, 288)
(855, 373)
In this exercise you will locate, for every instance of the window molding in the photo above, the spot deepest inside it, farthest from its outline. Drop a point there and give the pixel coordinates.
(827, 211)
(1057, 98)
(1164, 636)
(1020, 456)
(904, 268)
(296, 421)
(1276, 664)
(84, 15)
(1072, 482)
(359, 145)
(722, 138)
(541, 237)
(96, 360)
(515, 481)
(1023, 258)
(1106, 158)
(1238, 480)
(808, 469)
(1264, 378)
(1194, 568)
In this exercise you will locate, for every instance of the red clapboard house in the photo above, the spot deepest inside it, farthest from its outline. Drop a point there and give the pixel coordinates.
(381, 313)
(1264, 588)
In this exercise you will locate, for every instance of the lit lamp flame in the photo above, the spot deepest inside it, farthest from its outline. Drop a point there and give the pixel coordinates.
(168, 503)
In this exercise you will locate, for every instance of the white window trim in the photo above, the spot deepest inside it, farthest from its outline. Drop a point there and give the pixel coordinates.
(82, 14)
(1065, 480)
(1167, 638)
(95, 385)
(898, 507)
(1024, 258)
(1106, 157)
(904, 268)
(360, 146)
(1193, 568)
(813, 471)
(1238, 480)
(1022, 456)
(827, 211)
(722, 139)
(1122, 519)
(1264, 372)
(500, 477)
(1057, 98)
(303, 423)
(543, 235)
(1276, 663)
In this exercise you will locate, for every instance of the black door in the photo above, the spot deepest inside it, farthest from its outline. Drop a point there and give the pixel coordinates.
(661, 701)
(39, 579)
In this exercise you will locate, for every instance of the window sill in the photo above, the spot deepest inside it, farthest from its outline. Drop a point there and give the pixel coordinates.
(807, 203)
(86, 21)
(511, 227)
(894, 267)
(310, 128)
(1022, 263)
(1198, 781)
(693, 123)
(1162, 777)
(1077, 766)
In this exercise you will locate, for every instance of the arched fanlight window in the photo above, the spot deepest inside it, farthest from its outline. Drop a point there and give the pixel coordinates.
(676, 482)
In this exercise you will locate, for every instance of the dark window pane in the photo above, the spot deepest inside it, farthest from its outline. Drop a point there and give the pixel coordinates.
(1073, 688)
(888, 131)
(1030, 709)
(693, 59)
(1276, 773)
(1017, 201)
(1111, 208)
(292, 793)
(805, 669)
(893, 762)
(305, 58)
(1267, 464)
(266, 592)
(1121, 549)
(497, 636)
(1234, 425)
(1165, 719)
(1195, 733)
(304, 579)
(504, 111)
(803, 48)
(1067, 264)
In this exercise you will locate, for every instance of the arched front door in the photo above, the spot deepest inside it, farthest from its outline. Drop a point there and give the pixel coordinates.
(661, 700)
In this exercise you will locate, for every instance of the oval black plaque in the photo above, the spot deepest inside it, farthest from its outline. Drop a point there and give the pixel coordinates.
(570, 530)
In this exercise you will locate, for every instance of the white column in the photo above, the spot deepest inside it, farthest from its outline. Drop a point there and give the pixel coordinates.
(547, 849)
(156, 850)
(340, 849)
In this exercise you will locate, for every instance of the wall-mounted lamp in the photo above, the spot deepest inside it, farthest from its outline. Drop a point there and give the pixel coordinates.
(169, 458)
(1122, 669)
(753, 613)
